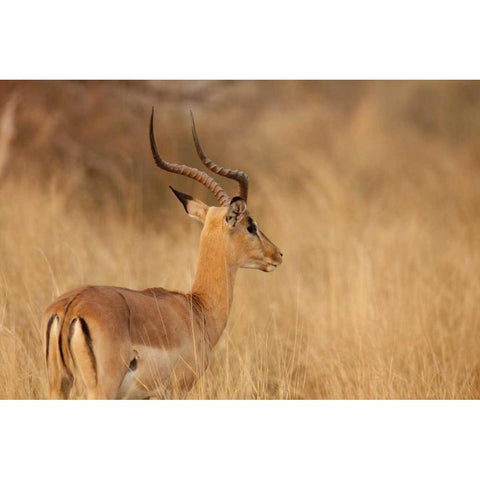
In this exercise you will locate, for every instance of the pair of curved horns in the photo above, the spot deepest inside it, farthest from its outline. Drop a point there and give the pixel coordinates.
(202, 177)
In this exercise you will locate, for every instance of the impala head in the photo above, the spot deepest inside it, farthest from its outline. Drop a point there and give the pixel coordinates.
(230, 224)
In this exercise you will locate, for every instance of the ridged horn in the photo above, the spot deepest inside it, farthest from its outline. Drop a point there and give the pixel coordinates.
(238, 175)
(187, 171)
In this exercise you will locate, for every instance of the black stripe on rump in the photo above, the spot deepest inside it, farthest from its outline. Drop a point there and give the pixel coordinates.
(47, 335)
(88, 340)
(60, 347)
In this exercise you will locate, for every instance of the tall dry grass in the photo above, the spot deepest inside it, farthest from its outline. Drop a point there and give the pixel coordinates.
(371, 189)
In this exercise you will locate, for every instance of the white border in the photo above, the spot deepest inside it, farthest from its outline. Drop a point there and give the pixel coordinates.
(240, 439)
(248, 40)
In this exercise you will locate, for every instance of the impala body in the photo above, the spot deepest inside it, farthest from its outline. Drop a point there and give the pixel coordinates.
(122, 343)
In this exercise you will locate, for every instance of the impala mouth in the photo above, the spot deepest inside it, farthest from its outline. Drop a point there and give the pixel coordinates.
(271, 266)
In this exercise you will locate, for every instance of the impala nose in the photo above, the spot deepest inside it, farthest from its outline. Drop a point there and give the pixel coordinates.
(279, 257)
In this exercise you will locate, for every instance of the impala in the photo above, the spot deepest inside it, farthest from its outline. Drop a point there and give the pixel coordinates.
(122, 343)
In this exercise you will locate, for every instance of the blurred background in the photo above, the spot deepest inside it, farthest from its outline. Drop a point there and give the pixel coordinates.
(371, 190)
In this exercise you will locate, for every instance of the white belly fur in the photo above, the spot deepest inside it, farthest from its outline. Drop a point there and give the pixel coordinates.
(155, 366)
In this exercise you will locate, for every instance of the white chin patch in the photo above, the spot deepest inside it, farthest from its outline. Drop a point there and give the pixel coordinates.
(251, 265)
(259, 266)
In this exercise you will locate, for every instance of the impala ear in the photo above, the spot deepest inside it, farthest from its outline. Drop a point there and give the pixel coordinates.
(236, 211)
(195, 208)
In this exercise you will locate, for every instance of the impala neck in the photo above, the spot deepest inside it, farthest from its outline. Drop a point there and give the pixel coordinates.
(213, 282)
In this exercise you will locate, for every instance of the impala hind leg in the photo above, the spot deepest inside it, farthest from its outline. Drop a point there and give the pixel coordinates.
(92, 362)
(108, 386)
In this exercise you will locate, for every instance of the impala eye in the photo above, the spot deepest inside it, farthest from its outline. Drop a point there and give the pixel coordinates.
(252, 228)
